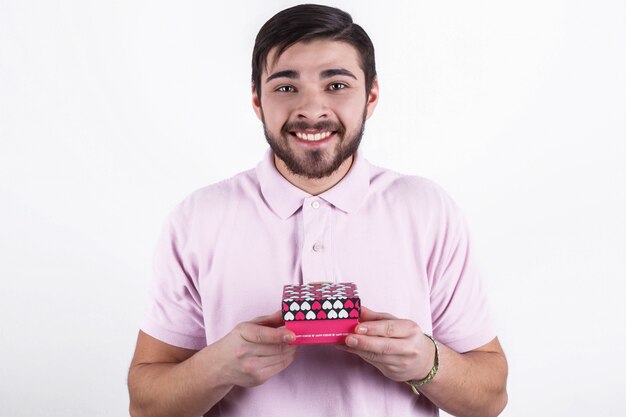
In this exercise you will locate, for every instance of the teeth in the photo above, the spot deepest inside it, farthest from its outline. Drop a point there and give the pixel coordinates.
(313, 137)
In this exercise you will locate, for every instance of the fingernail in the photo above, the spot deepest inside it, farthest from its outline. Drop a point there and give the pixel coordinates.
(288, 338)
(352, 341)
(361, 330)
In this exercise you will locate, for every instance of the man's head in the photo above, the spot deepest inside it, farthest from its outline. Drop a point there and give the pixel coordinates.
(314, 85)
(309, 22)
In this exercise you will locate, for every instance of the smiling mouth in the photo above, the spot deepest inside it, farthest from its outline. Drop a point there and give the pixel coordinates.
(313, 137)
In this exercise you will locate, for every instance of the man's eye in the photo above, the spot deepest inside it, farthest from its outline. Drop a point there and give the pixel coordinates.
(337, 86)
(286, 89)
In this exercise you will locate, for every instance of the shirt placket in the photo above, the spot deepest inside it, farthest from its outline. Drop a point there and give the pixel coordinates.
(317, 242)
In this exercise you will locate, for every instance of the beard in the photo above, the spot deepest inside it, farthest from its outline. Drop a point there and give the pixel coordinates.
(315, 163)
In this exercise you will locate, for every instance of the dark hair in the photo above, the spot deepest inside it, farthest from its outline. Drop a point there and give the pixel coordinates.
(308, 22)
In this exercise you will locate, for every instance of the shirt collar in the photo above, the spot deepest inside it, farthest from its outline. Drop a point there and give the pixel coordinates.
(285, 198)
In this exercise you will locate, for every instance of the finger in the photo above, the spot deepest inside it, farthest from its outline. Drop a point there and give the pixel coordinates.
(377, 359)
(273, 320)
(255, 333)
(285, 357)
(388, 328)
(378, 345)
(371, 315)
(273, 367)
(267, 351)
(258, 370)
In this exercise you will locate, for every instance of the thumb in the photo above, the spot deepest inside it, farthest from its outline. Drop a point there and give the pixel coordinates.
(371, 315)
(273, 320)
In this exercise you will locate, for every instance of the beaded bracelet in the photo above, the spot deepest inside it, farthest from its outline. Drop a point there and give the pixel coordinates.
(416, 384)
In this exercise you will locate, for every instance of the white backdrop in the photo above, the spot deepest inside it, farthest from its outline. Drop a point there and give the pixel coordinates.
(112, 112)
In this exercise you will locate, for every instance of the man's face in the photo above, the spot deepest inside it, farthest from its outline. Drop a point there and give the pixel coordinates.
(313, 105)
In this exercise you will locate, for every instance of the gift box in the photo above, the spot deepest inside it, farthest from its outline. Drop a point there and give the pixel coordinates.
(322, 312)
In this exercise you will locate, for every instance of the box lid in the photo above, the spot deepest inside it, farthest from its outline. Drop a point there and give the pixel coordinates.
(321, 301)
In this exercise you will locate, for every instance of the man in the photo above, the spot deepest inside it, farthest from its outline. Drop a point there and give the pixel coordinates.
(315, 210)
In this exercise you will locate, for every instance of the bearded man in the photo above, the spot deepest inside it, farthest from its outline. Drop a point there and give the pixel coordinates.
(315, 210)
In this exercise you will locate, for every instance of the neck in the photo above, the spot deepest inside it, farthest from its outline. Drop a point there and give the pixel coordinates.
(313, 186)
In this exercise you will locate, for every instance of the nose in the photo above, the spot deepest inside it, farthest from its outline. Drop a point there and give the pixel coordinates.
(312, 106)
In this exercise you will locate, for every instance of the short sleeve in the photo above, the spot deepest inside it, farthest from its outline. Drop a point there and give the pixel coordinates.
(460, 313)
(174, 313)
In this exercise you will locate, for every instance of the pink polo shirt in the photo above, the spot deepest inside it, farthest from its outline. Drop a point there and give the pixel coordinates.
(228, 249)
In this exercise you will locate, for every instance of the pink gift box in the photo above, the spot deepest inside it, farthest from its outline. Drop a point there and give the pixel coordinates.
(321, 312)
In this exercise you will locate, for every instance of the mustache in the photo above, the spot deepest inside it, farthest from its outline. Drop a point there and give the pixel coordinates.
(323, 125)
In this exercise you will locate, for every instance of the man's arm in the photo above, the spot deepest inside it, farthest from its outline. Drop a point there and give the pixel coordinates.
(466, 385)
(166, 380)
(471, 383)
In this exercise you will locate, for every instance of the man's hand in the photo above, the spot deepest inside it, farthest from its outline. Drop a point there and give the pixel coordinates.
(256, 350)
(398, 348)
(469, 384)
(166, 380)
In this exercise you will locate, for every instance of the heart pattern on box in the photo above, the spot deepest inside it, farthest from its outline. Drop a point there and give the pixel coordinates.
(321, 301)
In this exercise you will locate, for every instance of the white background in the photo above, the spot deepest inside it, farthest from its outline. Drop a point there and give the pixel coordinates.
(111, 112)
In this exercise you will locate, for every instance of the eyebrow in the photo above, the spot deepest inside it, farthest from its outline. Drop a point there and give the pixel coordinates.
(337, 71)
(294, 75)
(291, 74)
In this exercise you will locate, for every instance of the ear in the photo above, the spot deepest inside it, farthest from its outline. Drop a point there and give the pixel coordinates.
(256, 102)
(372, 98)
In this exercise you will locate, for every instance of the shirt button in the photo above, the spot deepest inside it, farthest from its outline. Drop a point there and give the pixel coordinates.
(318, 247)
(315, 204)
